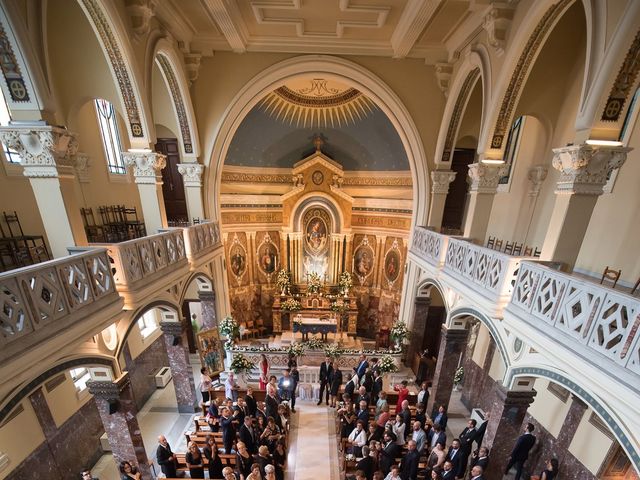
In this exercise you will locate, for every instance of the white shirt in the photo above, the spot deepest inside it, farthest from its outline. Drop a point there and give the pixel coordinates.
(205, 382)
(359, 439)
(399, 431)
(421, 395)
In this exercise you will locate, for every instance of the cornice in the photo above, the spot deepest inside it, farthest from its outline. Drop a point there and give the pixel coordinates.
(414, 19)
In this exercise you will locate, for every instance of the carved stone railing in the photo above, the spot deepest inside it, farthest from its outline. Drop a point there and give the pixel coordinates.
(430, 246)
(494, 272)
(139, 261)
(201, 239)
(603, 319)
(41, 301)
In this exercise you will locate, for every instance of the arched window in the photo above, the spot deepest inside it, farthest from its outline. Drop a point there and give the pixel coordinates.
(110, 136)
(511, 150)
(10, 155)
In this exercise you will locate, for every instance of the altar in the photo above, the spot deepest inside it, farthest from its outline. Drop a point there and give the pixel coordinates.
(307, 325)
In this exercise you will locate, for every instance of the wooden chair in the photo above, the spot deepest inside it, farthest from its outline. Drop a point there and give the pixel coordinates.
(94, 232)
(635, 287)
(260, 326)
(528, 251)
(537, 253)
(29, 248)
(498, 245)
(491, 242)
(517, 249)
(135, 227)
(251, 328)
(508, 248)
(611, 275)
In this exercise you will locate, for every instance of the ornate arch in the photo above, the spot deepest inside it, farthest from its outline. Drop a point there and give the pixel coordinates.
(176, 82)
(113, 39)
(437, 285)
(193, 277)
(494, 328)
(621, 433)
(330, 67)
(513, 80)
(316, 199)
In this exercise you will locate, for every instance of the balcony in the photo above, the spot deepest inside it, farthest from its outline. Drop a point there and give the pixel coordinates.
(54, 305)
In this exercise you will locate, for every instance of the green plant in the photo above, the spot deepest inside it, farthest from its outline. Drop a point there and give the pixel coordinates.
(314, 344)
(314, 285)
(229, 327)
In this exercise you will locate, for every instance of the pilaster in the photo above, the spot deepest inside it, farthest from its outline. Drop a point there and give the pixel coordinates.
(192, 181)
(147, 167)
(420, 313)
(118, 413)
(180, 367)
(583, 171)
(440, 181)
(208, 306)
(483, 186)
(46, 154)
(536, 176)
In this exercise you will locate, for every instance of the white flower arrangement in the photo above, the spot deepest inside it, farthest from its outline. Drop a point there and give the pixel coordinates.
(283, 281)
(333, 350)
(229, 327)
(399, 331)
(291, 305)
(314, 344)
(241, 364)
(314, 285)
(296, 349)
(345, 283)
(386, 364)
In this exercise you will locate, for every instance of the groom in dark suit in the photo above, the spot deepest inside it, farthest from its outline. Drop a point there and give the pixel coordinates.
(520, 451)
(326, 372)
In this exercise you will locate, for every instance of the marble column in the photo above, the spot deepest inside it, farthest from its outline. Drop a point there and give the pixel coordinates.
(440, 180)
(147, 167)
(181, 371)
(122, 428)
(420, 311)
(570, 424)
(47, 156)
(192, 181)
(47, 423)
(482, 190)
(505, 426)
(583, 170)
(208, 307)
(452, 344)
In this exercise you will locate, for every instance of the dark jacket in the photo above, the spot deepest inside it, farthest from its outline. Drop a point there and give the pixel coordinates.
(252, 405)
(409, 466)
(367, 466)
(443, 420)
(271, 407)
(246, 437)
(521, 449)
(467, 437)
(456, 461)
(228, 429)
(388, 457)
(326, 372)
(163, 455)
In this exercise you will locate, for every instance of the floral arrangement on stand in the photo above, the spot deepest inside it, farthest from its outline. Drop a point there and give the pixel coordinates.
(314, 344)
(458, 377)
(241, 364)
(338, 306)
(314, 284)
(333, 350)
(399, 332)
(229, 328)
(386, 364)
(296, 349)
(345, 283)
(291, 305)
(283, 281)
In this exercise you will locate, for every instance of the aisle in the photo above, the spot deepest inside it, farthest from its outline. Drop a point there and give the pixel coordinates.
(314, 443)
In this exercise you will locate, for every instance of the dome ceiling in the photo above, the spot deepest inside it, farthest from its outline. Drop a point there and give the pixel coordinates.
(279, 130)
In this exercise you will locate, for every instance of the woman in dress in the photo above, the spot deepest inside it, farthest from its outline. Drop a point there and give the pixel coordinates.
(264, 371)
(129, 472)
(403, 393)
(195, 461)
(255, 473)
(244, 460)
(551, 471)
(280, 459)
(336, 383)
(211, 453)
(271, 434)
(205, 384)
(398, 430)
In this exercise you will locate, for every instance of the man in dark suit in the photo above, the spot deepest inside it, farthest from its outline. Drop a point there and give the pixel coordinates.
(476, 473)
(455, 456)
(240, 411)
(448, 473)
(362, 366)
(409, 465)
(436, 435)
(480, 458)
(326, 373)
(481, 429)
(406, 413)
(520, 452)
(250, 402)
(377, 386)
(228, 430)
(247, 435)
(271, 405)
(363, 412)
(166, 458)
(363, 396)
(366, 464)
(388, 452)
(467, 437)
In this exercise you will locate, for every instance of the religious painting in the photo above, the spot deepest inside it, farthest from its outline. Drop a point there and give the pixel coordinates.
(392, 266)
(316, 230)
(267, 256)
(237, 259)
(211, 351)
(393, 263)
(363, 260)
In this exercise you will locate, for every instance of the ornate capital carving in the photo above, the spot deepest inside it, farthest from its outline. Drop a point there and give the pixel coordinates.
(337, 181)
(443, 75)
(171, 328)
(192, 64)
(536, 176)
(484, 177)
(191, 174)
(584, 168)
(146, 165)
(43, 149)
(496, 24)
(81, 163)
(441, 180)
(140, 12)
(108, 390)
(298, 180)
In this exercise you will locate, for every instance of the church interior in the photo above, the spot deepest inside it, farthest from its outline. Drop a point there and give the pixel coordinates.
(422, 202)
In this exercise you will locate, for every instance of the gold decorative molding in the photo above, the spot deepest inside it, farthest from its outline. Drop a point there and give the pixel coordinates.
(377, 182)
(255, 177)
(624, 82)
(380, 222)
(178, 102)
(458, 110)
(231, 218)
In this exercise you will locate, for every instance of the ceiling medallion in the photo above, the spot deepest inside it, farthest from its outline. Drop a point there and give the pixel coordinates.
(317, 177)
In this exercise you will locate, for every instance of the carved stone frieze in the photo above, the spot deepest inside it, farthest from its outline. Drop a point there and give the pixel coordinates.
(443, 75)
(146, 165)
(337, 181)
(484, 177)
(192, 64)
(191, 174)
(42, 149)
(624, 82)
(584, 168)
(81, 163)
(171, 328)
(536, 175)
(440, 181)
(496, 23)
(108, 390)
(298, 180)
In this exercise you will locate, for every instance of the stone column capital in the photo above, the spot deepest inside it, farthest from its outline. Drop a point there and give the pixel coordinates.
(45, 151)
(484, 177)
(108, 390)
(515, 398)
(584, 168)
(191, 174)
(536, 175)
(146, 165)
(496, 23)
(441, 180)
(171, 328)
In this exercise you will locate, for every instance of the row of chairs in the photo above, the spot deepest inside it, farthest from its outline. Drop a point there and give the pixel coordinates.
(612, 276)
(183, 222)
(513, 248)
(18, 249)
(118, 224)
